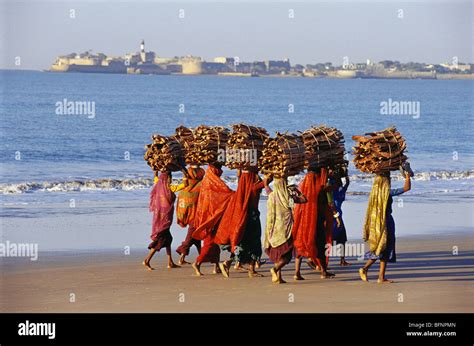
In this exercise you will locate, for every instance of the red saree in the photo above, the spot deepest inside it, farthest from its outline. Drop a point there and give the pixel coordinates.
(213, 200)
(232, 226)
(306, 215)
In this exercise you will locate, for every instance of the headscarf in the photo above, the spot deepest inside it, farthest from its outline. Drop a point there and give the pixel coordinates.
(213, 199)
(188, 197)
(161, 204)
(232, 226)
(306, 215)
(279, 215)
(375, 227)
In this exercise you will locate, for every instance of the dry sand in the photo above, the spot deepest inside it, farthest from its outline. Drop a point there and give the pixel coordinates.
(429, 278)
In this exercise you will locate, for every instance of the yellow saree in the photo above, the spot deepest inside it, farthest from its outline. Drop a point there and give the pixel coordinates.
(375, 227)
(279, 215)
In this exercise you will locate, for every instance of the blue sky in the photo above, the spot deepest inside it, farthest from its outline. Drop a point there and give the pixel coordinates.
(430, 31)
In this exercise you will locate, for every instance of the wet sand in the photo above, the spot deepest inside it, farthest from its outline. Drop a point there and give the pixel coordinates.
(429, 278)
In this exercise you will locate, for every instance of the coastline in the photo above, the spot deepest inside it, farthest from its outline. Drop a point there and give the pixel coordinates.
(116, 224)
(440, 76)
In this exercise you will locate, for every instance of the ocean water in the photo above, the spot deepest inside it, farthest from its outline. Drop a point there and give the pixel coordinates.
(49, 158)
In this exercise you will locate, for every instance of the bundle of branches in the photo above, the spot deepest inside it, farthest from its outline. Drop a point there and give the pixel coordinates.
(245, 146)
(379, 152)
(164, 154)
(185, 137)
(209, 144)
(283, 155)
(324, 147)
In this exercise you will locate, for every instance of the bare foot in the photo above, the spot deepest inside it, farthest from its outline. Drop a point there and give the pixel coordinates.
(183, 262)
(197, 269)
(259, 264)
(147, 265)
(224, 269)
(384, 281)
(363, 274)
(343, 263)
(238, 266)
(216, 269)
(281, 281)
(274, 275)
(173, 265)
(298, 277)
(255, 274)
(327, 275)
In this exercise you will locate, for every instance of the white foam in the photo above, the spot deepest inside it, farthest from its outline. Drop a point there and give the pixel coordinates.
(129, 184)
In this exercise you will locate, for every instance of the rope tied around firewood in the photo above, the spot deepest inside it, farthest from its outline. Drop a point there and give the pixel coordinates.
(317, 142)
(373, 153)
(324, 147)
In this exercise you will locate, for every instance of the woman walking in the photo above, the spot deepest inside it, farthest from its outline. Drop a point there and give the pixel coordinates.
(162, 199)
(312, 221)
(212, 202)
(379, 228)
(278, 240)
(186, 210)
(240, 229)
(339, 234)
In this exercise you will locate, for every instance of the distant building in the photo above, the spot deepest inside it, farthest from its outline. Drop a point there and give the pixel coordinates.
(224, 60)
(191, 65)
(277, 66)
(259, 67)
(244, 67)
(132, 59)
(216, 67)
(146, 57)
(88, 62)
(143, 62)
(457, 67)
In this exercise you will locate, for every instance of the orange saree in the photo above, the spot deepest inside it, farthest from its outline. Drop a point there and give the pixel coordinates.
(188, 197)
(213, 200)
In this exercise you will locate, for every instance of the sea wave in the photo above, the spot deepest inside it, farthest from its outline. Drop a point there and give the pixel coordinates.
(128, 184)
(104, 184)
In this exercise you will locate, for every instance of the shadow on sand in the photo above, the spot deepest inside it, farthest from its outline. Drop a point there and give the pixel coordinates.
(431, 266)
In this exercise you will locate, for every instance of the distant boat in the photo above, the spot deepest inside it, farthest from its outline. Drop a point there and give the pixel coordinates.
(254, 74)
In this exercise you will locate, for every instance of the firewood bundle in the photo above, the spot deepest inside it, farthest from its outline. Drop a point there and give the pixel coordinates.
(209, 144)
(245, 146)
(283, 155)
(324, 147)
(379, 152)
(164, 154)
(185, 137)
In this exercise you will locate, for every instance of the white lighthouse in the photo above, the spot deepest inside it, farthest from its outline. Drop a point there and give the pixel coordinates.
(142, 51)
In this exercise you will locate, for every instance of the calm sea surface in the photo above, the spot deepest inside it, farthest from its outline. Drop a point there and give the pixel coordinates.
(46, 157)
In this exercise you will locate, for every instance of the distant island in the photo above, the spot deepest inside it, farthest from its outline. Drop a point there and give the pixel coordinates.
(144, 62)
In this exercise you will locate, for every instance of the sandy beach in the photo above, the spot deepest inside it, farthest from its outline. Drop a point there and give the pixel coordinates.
(92, 256)
(429, 278)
